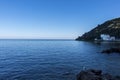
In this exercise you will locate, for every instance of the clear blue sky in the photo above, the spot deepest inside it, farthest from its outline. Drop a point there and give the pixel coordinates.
(54, 18)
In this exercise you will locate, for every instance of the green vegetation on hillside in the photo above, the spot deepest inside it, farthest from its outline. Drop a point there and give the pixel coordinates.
(111, 27)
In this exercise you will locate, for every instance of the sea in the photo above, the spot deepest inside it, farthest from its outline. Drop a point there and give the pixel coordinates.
(54, 59)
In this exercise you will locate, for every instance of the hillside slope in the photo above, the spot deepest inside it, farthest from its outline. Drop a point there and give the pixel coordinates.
(111, 27)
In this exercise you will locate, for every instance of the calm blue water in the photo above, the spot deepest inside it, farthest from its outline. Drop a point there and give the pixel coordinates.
(53, 59)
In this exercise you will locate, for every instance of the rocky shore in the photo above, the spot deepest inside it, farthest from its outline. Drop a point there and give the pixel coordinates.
(93, 74)
(111, 50)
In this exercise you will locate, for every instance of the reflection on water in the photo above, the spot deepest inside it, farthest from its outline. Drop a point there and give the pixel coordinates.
(53, 60)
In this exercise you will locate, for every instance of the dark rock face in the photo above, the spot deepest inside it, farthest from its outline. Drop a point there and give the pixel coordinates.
(92, 74)
(89, 75)
(111, 50)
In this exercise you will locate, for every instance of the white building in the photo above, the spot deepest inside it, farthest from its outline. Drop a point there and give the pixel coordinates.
(112, 38)
(107, 37)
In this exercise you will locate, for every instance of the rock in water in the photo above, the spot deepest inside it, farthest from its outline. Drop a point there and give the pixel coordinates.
(111, 50)
(89, 75)
(93, 74)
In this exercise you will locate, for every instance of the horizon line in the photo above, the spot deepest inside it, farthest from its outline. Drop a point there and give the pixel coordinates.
(33, 39)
